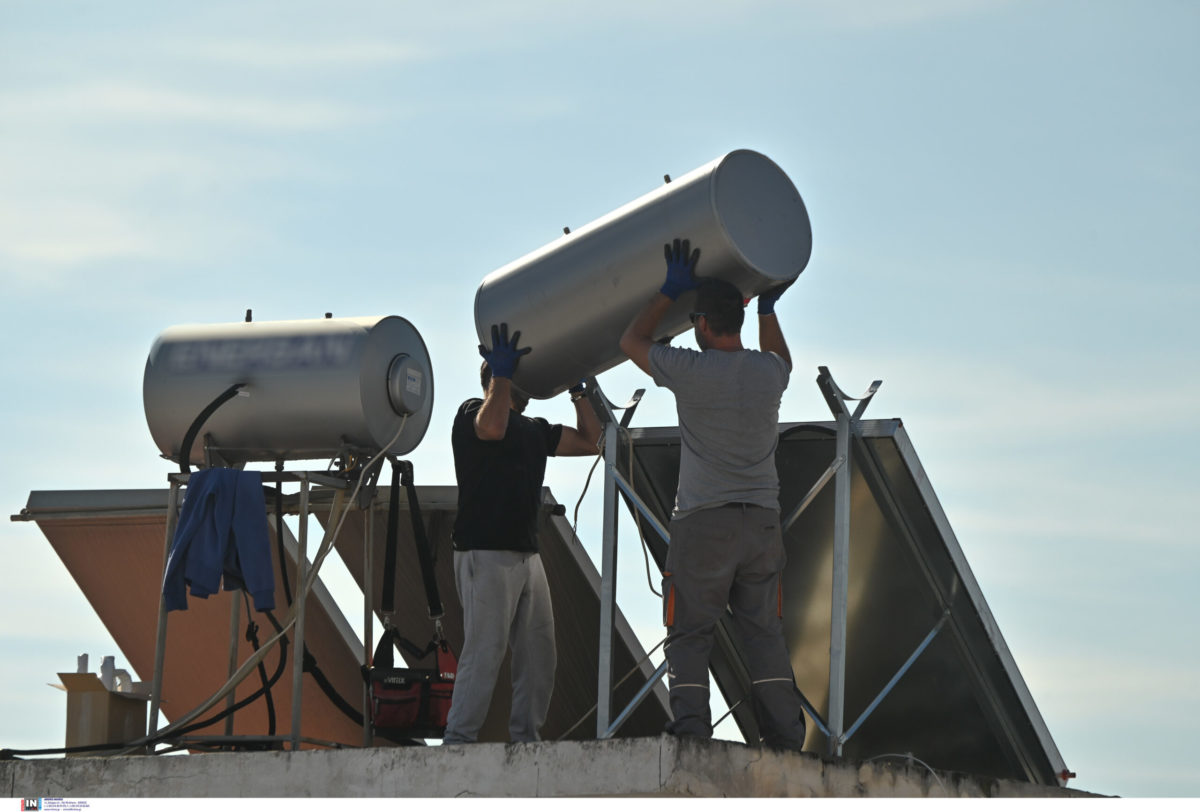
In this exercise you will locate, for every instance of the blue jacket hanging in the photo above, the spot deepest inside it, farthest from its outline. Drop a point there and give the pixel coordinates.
(222, 531)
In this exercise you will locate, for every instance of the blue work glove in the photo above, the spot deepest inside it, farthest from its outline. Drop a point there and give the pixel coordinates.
(768, 298)
(502, 358)
(681, 269)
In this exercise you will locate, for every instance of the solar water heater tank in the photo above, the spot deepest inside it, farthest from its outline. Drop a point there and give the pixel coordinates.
(311, 388)
(572, 298)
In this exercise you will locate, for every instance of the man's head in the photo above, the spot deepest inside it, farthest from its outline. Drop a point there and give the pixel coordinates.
(519, 399)
(722, 306)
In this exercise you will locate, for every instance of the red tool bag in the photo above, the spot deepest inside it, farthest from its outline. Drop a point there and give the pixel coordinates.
(411, 701)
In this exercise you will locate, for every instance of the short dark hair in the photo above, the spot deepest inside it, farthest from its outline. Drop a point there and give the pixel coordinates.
(722, 304)
(485, 375)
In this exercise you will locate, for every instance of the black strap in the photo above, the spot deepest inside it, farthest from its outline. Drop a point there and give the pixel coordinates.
(426, 552)
(388, 600)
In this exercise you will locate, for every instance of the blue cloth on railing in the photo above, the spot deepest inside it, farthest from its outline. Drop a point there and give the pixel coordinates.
(222, 531)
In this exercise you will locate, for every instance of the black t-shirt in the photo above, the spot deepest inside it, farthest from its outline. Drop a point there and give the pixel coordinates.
(500, 481)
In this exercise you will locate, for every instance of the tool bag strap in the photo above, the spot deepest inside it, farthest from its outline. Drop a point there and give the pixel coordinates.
(387, 601)
(402, 473)
(426, 552)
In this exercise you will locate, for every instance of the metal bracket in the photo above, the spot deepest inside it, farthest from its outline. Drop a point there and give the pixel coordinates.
(605, 407)
(836, 398)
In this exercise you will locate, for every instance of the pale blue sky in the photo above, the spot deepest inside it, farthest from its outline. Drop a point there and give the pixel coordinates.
(1004, 197)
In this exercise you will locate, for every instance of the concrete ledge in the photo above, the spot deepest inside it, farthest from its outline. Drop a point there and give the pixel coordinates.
(662, 766)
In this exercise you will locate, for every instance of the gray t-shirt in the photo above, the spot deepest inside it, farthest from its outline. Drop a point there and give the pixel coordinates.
(728, 406)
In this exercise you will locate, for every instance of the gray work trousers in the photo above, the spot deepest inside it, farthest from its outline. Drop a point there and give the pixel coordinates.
(730, 555)
(506, 603)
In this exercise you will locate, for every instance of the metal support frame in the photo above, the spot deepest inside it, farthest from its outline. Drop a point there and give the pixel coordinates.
(839, 472)
(160, 639)
(626, 487)
(821, 482)
(841, 586)
(608, 580)
(306, 479)
(606, 726)
(301, 601)
(642, 693)
(848, 430)
(847, 423)
(912, 658)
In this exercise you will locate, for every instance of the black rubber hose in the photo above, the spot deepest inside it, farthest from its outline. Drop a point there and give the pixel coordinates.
(283, 644)
(252, 639)
(185, 451)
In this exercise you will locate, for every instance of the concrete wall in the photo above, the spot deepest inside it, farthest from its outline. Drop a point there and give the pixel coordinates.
(662, 766)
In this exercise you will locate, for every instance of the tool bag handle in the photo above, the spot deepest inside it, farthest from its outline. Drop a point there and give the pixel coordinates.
(385, 658)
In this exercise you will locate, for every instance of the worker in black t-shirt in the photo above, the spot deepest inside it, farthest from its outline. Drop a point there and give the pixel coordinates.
(500, 460)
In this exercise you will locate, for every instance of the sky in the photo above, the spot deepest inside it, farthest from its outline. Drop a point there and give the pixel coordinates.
(1004, 198)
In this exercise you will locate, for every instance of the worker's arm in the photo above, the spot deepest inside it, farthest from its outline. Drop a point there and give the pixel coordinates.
(770, 334)
(681, 277)
(491, 423)
(581, 441)
(639, 335)
(770, 337)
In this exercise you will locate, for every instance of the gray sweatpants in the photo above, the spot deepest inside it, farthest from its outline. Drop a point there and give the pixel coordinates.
(506, 603)
(731, 555)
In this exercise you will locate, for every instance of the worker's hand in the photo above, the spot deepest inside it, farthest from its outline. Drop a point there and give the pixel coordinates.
(502, 358)
(769, 298)
(681, 269)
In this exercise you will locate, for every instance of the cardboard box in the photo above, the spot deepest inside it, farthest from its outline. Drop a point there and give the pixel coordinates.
(96, 715)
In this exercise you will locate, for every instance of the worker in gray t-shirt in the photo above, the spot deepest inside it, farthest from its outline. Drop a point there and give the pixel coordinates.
(726, 544)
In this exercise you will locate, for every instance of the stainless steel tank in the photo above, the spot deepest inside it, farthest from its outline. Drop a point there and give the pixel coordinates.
(312, 387)
(572, 298)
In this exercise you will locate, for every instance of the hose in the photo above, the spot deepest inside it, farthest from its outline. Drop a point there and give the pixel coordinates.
(185, 450)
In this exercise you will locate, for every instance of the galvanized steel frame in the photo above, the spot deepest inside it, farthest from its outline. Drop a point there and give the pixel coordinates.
(306, 479)
(848, 425)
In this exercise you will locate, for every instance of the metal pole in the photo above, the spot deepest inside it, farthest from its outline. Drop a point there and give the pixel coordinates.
(160, 640)
(301, 593)
(235, 621)
(912, 658)
(841, 586)
(812, 493)
(368, 615)
(637, 700)
(641, 506)
(608, 581)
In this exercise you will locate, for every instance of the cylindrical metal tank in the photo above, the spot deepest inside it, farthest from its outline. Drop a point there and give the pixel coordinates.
(312, 387)
(572, 298)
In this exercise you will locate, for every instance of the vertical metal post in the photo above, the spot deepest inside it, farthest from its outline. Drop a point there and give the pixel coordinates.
(608, 581)
(301, 594)
(235, 621)
(160, 640)
(841, 586)
(368, 615)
